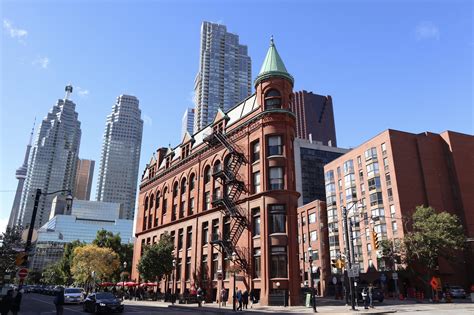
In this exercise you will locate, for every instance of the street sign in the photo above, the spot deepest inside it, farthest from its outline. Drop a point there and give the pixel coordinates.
(394, 276)
(353, 272)
(22, 273)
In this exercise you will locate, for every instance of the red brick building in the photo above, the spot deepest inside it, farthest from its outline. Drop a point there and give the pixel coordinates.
(385, 178)
(313, 233)
(229, 191)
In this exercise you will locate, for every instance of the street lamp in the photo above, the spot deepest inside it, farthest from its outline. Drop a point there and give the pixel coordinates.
(234, 258)
(93, 280)
(35, 210)
(311, 280)
(173, 281)
(349, 246)
(123, 276)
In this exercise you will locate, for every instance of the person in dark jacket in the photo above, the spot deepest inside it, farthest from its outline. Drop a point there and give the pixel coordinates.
(245, 298)
(252, 298)
(16, 302)
(6, 303)
(239, 299)
(59, 301)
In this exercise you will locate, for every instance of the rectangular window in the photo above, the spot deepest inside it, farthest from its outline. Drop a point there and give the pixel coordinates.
(303, 221)
(359, 161)
(207, 200)
(377, 213)
(204, 233)
(189, 237)
(392, 211)
(390, 194)
(312, 217)
(277, 218)
(369, 248)
(276, 178)
(178, 268)
(215, 229)
(182, 209)
(257, 263)
(204, 275)
(351, 193)
(165, 206)
(329, 177)
(374, 183)
(174, 213)
(348, 167)
(339, 184)
(385, 163)
(394, 227)
(275, 146)
(215, 265)
(372, 169)
(226, 268)
(187, 270)
(180, 239)
(314, 236)
(376, 198)
(304, 238)
(255, 151)
(384, 148)
(349, 180)
(256, 182)
(338, 171)
(256, 221)
(279, 262)
(388, 179)
(371, 154)
(362, 189)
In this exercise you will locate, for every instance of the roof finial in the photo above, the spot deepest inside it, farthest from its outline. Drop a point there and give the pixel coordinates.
(271, 41)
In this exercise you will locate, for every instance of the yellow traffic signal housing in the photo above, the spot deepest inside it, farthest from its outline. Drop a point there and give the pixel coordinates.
(341, 263)
(375, 240)
(21, 259)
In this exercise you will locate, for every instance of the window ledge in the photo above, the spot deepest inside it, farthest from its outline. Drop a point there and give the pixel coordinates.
(278, 234)
(256, 237)
(275, 156)
(256, 163)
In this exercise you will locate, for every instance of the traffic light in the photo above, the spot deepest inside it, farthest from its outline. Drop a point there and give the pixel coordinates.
(375, 239)
(334, 263)
(341, 263)
(21, 259)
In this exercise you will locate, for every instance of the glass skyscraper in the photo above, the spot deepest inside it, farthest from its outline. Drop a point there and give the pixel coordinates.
(118, 172)
(187, 122)
(52, 160)
(225, 73)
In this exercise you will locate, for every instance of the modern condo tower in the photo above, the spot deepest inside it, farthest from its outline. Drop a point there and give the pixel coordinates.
(84, 174)
(52, 160)
(225, 73)
(187, 122)
(120, 158)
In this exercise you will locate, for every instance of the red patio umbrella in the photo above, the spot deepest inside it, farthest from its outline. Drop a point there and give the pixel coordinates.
(130, 284)
(148, 284)
(106, 284)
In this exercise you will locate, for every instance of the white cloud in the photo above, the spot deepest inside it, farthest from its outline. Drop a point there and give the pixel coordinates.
(82, 92)
(147, 120)
(3, 224)
(16, 33)
(427, 30)
(43, 62)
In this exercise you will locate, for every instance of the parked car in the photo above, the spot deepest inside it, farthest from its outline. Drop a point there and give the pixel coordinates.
(457, 291)
(73, 295)
(377, 294)
(104, 302)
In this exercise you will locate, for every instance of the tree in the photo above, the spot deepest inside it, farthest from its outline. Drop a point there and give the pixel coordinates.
(66, 261)
(103, 261)
(10, 246)
(391, 252)
(52, 274)
(157, 259)
(107, 239)
(434, 235)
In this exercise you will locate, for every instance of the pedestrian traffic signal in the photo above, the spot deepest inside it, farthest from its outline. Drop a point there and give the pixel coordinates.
(375, 239)
(21, 259)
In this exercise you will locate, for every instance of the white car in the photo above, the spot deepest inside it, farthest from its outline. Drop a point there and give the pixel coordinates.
(73, 295)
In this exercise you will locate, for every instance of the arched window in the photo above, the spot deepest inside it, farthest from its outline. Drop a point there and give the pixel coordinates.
(217, 167)
(207, 174)
(273, 99)
(146, 203)
(191, 181)
(157, 199)
(183, 186)
(165, 200)
(175, 189)
(152, 200)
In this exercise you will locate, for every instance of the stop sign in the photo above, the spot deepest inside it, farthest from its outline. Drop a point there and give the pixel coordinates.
(22, 273)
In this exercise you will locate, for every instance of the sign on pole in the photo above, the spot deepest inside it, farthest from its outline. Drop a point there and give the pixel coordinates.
(22, 273)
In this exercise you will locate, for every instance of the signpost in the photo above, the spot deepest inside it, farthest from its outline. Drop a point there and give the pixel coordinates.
(22, 273)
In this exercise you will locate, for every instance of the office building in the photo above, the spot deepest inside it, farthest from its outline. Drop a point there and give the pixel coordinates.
(118, 172)
(21, 176)
(310, 158)
(227, 196)
(314, 117)
(52, 160)
(84, 174)
(86, 218)
(225, 73)
(187, 122)
(381, 183)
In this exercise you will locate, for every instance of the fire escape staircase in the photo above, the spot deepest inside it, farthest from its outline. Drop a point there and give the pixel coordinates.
(233, 188)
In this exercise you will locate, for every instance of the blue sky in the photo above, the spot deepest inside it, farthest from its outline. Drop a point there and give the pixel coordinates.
(404, 65)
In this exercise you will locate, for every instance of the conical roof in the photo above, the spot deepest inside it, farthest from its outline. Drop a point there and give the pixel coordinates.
(273, 66)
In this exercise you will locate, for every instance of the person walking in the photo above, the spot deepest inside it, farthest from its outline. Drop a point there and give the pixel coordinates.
(6, 303)
(371, 289)
(199, 296)
(16, 302)
(245, 298)
(224, 297)
(239, 299)
(365, 298)
(252, 298)
(59, 301)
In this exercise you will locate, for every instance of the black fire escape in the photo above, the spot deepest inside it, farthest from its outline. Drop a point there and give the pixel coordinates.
(227, 175)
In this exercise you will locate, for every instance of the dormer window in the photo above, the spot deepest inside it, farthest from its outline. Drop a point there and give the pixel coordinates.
(272, 99)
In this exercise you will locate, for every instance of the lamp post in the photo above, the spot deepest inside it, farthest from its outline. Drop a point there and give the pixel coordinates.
(311, 280)
(93, 280)
(234, 257)
(349, 246)
(123, 276)
(173, 281)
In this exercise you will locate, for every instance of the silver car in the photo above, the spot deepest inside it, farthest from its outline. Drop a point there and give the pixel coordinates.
(73, 295)
(457, 292)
